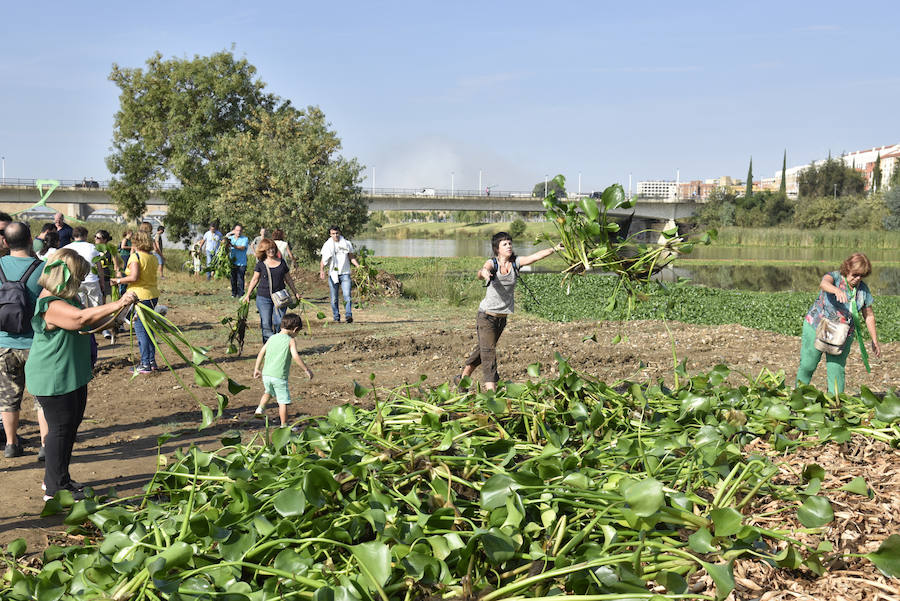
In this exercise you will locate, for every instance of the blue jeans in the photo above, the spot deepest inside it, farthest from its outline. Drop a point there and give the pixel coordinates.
(209, 260)
(269, 317)
(148, 351)
(344, 284)
(237, 279)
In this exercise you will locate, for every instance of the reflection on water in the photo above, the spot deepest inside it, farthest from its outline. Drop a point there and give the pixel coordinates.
(748, 276)
(777, 278)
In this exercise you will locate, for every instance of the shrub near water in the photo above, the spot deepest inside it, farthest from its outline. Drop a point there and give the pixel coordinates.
(559, 486)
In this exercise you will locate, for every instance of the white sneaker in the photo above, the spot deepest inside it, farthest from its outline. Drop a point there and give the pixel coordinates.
(106, 334)
(260, 412)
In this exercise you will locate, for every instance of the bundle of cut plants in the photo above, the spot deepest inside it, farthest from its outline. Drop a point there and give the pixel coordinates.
(221, 265)
(237, 328)
(594, 240)
(166, 336)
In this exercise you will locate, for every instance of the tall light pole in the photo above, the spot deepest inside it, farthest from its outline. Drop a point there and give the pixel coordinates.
(835, 191)
(452, 189)
(3, 159)
(579, 183)
(546, 177)
(479, 183)
(373, 180)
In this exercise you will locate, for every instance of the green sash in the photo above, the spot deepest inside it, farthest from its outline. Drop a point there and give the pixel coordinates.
(858, 322)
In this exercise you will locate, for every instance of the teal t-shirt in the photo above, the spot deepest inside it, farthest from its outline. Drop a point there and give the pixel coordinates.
(14, 268)
(278, 357)
(60, 360)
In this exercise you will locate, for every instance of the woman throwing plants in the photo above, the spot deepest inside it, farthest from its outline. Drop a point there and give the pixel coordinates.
(58, 368)
(500, 274)
(272, 300)
(830, 324)
(141, 279)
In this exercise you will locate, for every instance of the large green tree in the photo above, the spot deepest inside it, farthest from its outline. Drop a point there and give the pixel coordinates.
(285, 171)
(831, 178)
(876, 175)
(188, 121)
(552, 185)
(892, 201)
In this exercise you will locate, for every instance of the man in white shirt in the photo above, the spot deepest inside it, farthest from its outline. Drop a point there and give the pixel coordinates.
(211, 240)
(91, 292)
(337, 255)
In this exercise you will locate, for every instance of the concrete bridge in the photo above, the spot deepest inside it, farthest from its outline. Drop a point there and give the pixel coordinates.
(82, 199)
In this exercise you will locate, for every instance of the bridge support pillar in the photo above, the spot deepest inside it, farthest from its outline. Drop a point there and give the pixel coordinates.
(78, 210)
(670, 224)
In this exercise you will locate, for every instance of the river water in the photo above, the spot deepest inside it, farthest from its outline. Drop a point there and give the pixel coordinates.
(740, 269)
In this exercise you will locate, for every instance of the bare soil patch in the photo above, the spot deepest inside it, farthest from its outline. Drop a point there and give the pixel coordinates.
(399, 341)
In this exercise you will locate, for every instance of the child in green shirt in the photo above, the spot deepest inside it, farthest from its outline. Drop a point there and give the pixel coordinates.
(278, 352)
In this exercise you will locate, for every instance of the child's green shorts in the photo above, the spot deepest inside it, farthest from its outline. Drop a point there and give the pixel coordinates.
(278, 388)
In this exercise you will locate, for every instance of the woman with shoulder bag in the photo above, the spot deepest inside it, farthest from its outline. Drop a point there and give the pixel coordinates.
(272, 299)
(833, 319)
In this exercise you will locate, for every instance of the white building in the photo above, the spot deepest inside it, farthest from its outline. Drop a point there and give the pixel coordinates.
(861, 160)
(658, 190)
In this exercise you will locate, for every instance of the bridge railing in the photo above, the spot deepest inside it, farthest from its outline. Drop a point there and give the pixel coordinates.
(88, 184)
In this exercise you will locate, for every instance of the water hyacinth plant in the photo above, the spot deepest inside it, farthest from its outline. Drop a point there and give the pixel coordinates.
(237, 328)
(592, 240)
(559, 486)
(221, 264)
(164, 335)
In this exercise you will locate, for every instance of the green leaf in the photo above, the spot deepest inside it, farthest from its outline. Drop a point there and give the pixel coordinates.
(701, 541)
(498, 547)
(644, 497)
(589, 206)
(534, 370)
(613, 197)
(289, 502)
(495, 491)
(858, 486)
(888, 411)
(813, 471)
(199, 354)
(726, 520)
(207, 416)
(17, 548)
(722, 576)
(815, 512)
(375, 562)
(235, 388)
(360, 391)
(281, 437)
(887, 557)
(208, 377)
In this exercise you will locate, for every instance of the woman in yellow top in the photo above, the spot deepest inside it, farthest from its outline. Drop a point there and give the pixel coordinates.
(141, 279)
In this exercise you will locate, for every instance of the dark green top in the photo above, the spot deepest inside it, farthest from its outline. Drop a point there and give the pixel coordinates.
(60, 360)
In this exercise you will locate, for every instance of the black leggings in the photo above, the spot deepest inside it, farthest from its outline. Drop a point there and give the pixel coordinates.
(63, 413)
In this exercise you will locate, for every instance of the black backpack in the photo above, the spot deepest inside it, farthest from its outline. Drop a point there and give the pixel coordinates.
(14, 315)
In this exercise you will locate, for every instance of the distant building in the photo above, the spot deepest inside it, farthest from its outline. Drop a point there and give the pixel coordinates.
(665, 191)
(861, 160)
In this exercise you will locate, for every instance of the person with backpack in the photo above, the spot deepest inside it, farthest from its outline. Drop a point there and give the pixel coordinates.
(500, 274)
(19, 274)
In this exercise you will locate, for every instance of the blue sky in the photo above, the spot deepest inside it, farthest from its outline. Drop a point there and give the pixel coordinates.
(420, 90)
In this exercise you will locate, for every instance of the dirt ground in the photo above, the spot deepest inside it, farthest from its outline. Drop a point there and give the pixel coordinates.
(398, 341)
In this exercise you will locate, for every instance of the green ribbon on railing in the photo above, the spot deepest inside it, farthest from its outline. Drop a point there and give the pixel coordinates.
(66, 274)
(858, 323)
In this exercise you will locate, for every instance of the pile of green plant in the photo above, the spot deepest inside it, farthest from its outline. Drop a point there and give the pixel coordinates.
(364, 276)
(559, 486)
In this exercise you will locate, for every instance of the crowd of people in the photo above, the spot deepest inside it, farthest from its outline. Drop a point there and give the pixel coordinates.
(61, 279)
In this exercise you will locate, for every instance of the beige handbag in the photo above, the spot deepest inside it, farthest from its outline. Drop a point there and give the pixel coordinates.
(831, 336)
